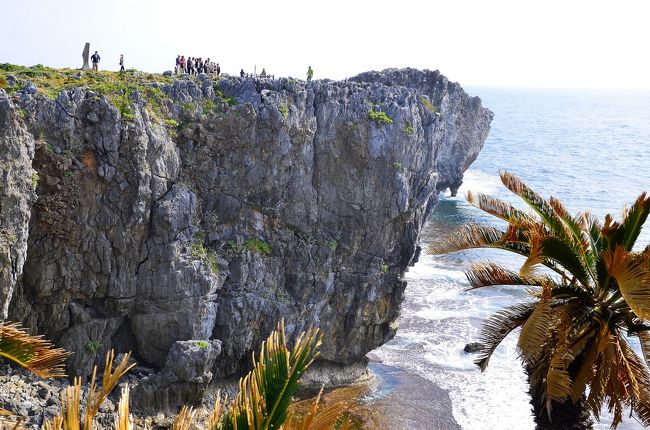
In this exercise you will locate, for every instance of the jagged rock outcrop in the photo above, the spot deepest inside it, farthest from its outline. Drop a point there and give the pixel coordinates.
(271, 199)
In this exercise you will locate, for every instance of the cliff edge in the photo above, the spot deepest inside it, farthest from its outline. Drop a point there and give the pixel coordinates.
(208, 209)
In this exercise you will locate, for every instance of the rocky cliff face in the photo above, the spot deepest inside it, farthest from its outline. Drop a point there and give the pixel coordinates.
(262, 200)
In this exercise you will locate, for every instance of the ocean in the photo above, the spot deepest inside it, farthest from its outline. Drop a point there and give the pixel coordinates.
(590, 149)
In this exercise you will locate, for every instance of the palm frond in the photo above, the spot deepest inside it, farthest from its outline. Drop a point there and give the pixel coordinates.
(490, 274)
(266, 392)
(321, 418)
(499, 208)
(633, 280)
(110, 379)
(123, 421)
(633, 221)
(566, 256)
(536, 202)
(535, 258)
(467, 237)
(184, 419)
(31, 352)
(498, 326)
(536, 331)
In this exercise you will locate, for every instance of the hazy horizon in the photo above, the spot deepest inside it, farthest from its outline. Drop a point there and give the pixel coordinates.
(506, 43)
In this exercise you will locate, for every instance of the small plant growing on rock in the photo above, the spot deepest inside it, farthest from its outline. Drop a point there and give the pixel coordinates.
(93, 346)
(202, 253)
(397, 165)
(332, 244)
(428, 105)
(203, 344)
(384, 268)
(409, 130)
(35, 179)
(171, 123)
(257, 246)
(284, 110)
(208, 105)
(379, 117)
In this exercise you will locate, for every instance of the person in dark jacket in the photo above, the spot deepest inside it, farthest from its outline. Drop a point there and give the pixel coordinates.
(242, 74)
(95, 59)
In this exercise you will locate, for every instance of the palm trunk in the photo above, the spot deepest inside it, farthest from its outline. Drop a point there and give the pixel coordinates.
(564, 416)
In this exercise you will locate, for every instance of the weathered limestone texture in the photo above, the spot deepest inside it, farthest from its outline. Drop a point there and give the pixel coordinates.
(271, 199)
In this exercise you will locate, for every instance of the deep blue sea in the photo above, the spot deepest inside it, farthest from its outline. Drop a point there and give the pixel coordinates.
(590, 149)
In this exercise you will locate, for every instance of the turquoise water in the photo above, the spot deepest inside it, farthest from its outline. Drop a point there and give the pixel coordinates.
(589, 149)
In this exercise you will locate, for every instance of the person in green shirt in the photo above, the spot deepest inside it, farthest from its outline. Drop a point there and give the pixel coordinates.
(310, 73)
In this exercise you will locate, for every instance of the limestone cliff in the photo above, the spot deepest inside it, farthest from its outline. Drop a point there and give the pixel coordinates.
(223, 207)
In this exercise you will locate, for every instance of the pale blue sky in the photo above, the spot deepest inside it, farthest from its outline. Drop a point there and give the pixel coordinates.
(551, 43)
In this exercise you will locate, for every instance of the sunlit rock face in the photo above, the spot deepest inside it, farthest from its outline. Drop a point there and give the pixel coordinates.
(261, 200)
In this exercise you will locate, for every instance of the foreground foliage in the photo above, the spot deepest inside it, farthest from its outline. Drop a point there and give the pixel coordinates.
(591, 290)
(262, 403)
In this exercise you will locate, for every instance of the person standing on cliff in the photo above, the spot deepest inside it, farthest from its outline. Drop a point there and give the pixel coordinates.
(121, 62)
(242, 74)
(310, 74)
(95, 59)
(218, 70)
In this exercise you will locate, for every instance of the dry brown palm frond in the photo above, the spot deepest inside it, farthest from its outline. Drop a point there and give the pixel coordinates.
(123, 421)
(320, 418)
(537, 330)
(488, 274)
(217, 411)
(498, 326)
(535, 258)
(500, 209)
(466, 237)
(633, 280)
(184, 419)
(644, 340)
(605, 362)
(31, 352)
(9, 420)
(110, 380)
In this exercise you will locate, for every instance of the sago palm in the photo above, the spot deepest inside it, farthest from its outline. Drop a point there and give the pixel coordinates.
(590, 291)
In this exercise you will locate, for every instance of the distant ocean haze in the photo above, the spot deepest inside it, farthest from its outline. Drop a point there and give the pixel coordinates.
(590, 149)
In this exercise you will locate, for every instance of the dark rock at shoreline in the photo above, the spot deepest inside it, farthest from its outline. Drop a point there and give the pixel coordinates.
(270, 199)
(473, 347)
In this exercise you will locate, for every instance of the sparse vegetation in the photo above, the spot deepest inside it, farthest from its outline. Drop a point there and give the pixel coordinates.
(409, 130)
(379, 117)
(208, 105)
(332, 244)
(284, 110)
(428, 105)
(384, 268)
(92, 346)
(257, 246)
(171, 123)
(230, 101)
(35, 179)
(202, 344)
(198, 250)
(397, 165)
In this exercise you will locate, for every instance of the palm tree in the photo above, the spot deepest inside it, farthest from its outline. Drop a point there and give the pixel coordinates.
(590, 291)
(263, 402)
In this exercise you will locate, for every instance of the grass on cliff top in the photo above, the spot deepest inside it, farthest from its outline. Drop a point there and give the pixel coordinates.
(50, 82)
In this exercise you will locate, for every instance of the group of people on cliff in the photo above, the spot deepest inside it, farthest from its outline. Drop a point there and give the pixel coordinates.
(196, 66)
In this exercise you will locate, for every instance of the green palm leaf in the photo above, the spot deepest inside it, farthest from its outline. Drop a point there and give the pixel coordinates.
(550, 218)
(634, 220)
(31, 352)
